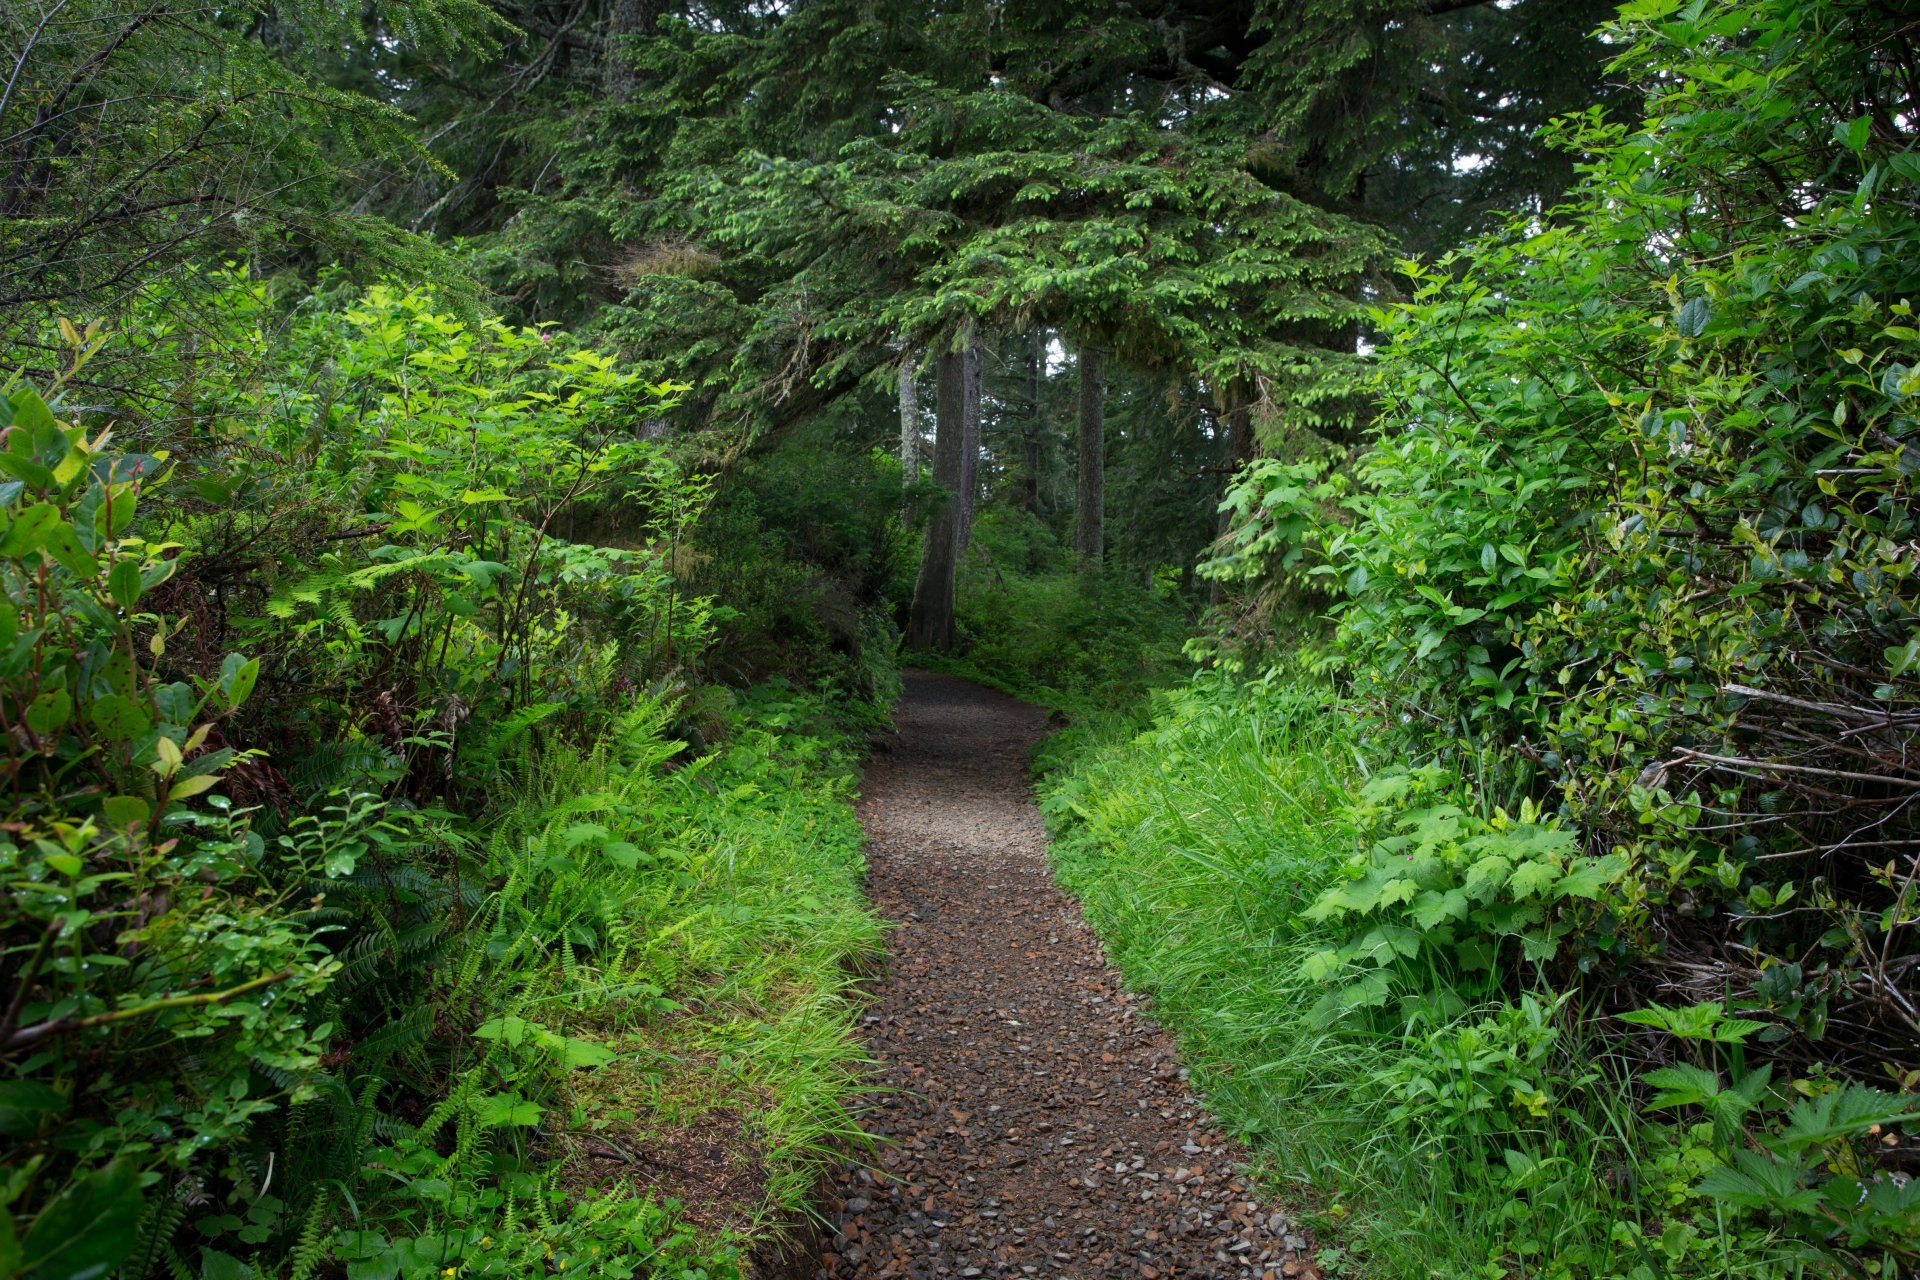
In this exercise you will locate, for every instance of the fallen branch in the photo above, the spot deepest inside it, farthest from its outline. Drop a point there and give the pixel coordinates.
(41, 1030)
(1870, 716)
(1770, 766)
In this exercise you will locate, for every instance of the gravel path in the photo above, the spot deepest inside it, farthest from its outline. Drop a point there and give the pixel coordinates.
(1034, 1121)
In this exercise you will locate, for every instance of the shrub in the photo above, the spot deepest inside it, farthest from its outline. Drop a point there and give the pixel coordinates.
(334, 956)
(165, 969)
(1633, 538)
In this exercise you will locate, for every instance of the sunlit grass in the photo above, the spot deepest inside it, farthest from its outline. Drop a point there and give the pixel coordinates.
(708, 924)
(1193, 843)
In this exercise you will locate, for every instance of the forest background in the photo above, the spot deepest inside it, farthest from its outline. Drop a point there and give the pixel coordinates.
(470, 468)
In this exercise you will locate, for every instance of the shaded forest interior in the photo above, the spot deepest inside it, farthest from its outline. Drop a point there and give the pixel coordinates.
(474, 471)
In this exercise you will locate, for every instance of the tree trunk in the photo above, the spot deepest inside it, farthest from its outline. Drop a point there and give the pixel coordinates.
(626, 18)
(969, 447)
(909, 435)
(1090, 493)
(1036, 361)
(1236, 444)
(930, 622)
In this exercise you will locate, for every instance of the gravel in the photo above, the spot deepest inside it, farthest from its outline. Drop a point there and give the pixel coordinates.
(1033, 1121)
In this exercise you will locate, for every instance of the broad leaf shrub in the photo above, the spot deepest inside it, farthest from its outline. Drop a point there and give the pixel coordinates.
(143, 917)
(1635, 536)
(357, 945)
(422, 568)
(1449, 893)
(1623, 584)
(1363, 975)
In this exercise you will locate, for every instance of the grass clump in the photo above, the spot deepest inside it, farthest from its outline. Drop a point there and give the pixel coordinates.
(656, 1042)
(1443, 1118)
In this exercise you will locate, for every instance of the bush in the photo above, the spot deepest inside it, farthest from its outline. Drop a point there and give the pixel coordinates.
(1625, 572)
(1433, 1111)
(166, 971)
(347, 953)
(1634, 521)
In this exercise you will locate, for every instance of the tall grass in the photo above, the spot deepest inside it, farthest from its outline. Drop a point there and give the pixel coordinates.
(649, 1013)
(1191, 844)
(1195, 840)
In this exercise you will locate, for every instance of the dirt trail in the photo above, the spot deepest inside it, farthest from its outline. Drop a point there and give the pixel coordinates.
(1035, 1122)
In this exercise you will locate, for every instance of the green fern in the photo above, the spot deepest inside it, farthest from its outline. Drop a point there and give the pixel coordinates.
(161, 1218)
(311, 1248)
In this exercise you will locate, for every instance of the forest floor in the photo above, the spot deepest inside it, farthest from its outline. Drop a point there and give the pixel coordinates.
(1033, 1120)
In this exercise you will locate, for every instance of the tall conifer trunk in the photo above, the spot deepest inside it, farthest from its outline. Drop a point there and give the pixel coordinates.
(969, 447)
(909, 435)
(1030, 429)
(626, 18)
(1089, 511)
(930, 622)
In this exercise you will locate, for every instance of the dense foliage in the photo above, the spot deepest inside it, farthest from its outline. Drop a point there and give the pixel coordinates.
(1639, 519)
(352, 939)
(1481, 1122)
(1622, 869)
(463, 483)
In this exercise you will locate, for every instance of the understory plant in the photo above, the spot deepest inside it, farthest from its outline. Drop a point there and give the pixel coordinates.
(359, 944)
(1625, 901)
(1446, 1105)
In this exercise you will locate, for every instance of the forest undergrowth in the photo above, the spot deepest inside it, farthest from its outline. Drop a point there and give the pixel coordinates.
(463, 485)
(391, 894)
(1551, 913)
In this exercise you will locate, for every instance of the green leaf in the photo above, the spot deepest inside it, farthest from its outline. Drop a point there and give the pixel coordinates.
(88, 1229)
(126, 811)
(484, 572)
(26, 471)
(1587, 880)
(9, 1247)
(585, 1053)
(118, 718)
(49, 712)
(1321, 965)
(1761, 1183)
(24, 1106)
(30, 413)
(187, 788)
(508, 1028)
(1432, 908)
(215, 1265)
(384, 1265)
(508, 1109)
(1693, 318)
(1682, 1085)
(622, 853)
(28, 533)
(1533, 878)
(238, 675)
(63, 544)
(123, 582)
(580, 833)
